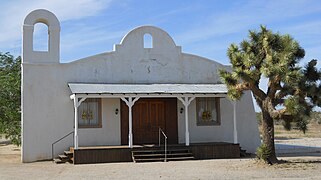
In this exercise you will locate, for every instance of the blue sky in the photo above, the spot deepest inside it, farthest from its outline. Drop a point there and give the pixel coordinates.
(203, 27)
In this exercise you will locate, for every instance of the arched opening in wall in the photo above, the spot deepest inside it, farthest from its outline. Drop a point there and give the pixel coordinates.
(148, 41)
(40, 37)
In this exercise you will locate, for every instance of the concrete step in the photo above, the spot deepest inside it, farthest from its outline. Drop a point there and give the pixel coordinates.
(68, 153)
(163, 159)
(163, 155)
(63, 157)
(58, 161)
(243, 153)
(154, 155)
(159, 151)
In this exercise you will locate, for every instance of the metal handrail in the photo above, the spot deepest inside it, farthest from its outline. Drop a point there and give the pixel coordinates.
(159, 133)
(52, 145)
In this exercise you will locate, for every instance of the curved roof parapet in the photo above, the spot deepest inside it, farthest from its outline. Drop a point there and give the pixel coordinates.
(53, 53)
(43, 16)
(161, 40)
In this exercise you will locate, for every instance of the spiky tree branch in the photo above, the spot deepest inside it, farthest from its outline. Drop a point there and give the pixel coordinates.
(291, 92)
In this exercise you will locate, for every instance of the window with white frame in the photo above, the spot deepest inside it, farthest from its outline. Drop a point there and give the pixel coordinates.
(208, 111)
(89, 113)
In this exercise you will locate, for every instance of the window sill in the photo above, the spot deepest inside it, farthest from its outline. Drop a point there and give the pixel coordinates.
(209, 124)
(89, 126)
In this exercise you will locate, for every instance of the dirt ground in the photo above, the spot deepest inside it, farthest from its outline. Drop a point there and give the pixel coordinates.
(296, 167)
(301, 153)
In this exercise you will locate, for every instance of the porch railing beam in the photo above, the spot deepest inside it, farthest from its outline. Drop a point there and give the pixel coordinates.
(150, 95)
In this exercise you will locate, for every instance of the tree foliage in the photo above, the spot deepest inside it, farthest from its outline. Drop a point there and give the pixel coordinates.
(10, 97)
(292, 91)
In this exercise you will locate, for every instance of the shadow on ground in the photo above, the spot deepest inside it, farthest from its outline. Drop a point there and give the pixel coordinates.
(5, 142)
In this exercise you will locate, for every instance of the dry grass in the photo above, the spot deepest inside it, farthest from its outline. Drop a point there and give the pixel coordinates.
(314, 131)
(299, 164)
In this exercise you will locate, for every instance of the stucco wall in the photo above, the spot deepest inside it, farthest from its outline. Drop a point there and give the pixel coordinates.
(109, 133)
(48, 113)
(247, 127)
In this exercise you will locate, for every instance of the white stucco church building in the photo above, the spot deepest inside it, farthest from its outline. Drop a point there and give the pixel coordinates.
(124, 97)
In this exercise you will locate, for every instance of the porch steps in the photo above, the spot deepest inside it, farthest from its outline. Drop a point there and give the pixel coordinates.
(243, 153)
(63, 158)
(154, 155)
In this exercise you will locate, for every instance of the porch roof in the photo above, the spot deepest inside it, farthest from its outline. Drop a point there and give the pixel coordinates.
(91, 88)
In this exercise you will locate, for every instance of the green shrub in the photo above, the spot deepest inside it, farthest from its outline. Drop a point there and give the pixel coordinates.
(262, 153)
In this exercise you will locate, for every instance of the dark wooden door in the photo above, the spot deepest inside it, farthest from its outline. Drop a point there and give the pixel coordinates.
(148, 116)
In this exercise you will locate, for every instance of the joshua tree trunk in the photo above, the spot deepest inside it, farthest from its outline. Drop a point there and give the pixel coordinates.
(268, 136)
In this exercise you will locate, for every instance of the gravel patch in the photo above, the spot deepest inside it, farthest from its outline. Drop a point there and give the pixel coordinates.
(205, 169)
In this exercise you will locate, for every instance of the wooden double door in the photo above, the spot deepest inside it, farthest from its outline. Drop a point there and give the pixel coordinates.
(148, 115)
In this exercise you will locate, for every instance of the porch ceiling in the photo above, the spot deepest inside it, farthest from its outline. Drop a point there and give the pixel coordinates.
(90, 88)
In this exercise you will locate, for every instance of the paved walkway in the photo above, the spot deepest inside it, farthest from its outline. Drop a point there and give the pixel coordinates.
(298, 146)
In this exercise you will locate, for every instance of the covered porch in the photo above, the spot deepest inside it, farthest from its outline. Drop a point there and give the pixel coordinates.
(131, 94)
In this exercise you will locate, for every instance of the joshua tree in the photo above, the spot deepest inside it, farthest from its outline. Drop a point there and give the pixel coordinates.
(292, 91)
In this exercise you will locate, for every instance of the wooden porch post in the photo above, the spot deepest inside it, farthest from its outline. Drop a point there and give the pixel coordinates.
(76, 124)
(76, 105)
(130, 103)
(234, 123)
(186, 102)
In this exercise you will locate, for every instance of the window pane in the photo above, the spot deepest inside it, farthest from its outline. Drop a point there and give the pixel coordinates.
(89, 113)
(207, 111)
